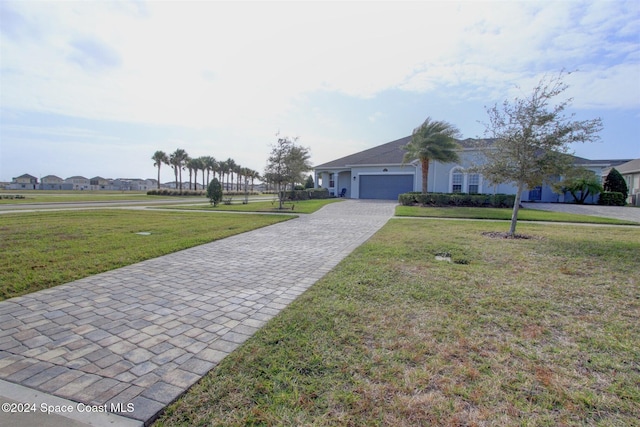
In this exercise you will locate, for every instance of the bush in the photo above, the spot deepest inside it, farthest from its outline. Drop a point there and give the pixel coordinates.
(214, 192)
(457, 199)
(611, 198)
(615, 183)
(312, 193)
(168, 192)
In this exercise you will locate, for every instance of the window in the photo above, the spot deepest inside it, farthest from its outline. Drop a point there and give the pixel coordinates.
(535, 193)
(331, 180)
(456, 180)
(461, 182)
(474, 183)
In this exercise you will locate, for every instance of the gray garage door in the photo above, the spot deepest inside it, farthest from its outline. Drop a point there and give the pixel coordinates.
(384, 186)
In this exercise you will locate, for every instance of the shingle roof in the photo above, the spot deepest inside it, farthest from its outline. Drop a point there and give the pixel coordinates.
(632, 166)
(605, 162)
(390, 153)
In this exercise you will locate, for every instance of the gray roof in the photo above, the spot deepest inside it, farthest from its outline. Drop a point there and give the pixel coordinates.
(632, 166)
(602, 162)
(390, 153)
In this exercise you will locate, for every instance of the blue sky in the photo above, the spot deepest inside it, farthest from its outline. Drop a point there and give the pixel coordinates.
(95, 88)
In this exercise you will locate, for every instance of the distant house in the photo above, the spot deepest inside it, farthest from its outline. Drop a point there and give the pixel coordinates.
(24, 182)
(143, 184)
(379, 173)
(99, 183)
(78, 183)
(630, 171)
(52, 182)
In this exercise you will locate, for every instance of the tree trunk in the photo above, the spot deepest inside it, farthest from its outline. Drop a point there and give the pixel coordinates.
(158, 177)
(425, 174)
(516, 207)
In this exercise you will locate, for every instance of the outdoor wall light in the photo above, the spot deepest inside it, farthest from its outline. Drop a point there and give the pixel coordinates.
(354, 178)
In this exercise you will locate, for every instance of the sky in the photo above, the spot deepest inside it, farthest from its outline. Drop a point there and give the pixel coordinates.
(95, 88)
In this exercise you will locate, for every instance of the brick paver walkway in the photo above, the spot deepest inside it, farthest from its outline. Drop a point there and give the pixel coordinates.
(143, 334)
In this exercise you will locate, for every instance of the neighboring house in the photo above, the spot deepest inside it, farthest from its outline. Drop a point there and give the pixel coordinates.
(24, 182)
(121, 184)
(99, 183)
(78, 183)
(630, 171)
(379, 173)
(52, 182)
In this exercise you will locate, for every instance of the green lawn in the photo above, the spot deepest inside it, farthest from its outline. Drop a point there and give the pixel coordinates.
(303, 206)
(542, 332)
(41, 250)
(36, 196)
(504, 213)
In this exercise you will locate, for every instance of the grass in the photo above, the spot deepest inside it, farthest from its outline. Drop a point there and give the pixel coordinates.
(41, 250)
(302, 207)
(36, 196)
(505, 214)
(538, 332)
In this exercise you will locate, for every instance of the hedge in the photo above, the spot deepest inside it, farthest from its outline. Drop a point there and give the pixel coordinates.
(457, 199)
(203, 193)
(611, 198)
(310, 193)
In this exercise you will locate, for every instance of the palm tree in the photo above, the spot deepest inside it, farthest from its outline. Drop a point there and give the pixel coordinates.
(231, 165)
(433, 140)
(205, 168)
(193, 165)
(211, 165)
(177, 160)
(174, 162)
(222, 169)
(253, 175)
(239, 174)
(159, 157)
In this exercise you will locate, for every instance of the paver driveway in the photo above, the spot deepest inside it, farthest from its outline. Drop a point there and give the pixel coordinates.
(143, 334)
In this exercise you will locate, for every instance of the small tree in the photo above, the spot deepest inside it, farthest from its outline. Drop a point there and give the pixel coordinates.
(580, 183)
(309, 182)
(531, 140)
(214, 192)
(614, 182)
(586, 187)
(286, 164)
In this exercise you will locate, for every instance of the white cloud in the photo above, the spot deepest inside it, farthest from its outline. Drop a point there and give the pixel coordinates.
(244, 69)
(213, 64)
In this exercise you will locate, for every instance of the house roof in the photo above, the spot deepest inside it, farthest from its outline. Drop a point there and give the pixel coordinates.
(392, 153)
(26, 175)
(48, 177)
(632, 166)
(599, 162)
(386, 154)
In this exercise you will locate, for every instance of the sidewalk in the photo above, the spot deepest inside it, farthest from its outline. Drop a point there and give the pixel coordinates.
(137, 338)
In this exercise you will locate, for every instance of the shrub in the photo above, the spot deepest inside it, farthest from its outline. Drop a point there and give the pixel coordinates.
(614, 182)
(168, 192)
(214, 192)
(611, 198)
(317, 193)
(456, 199)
